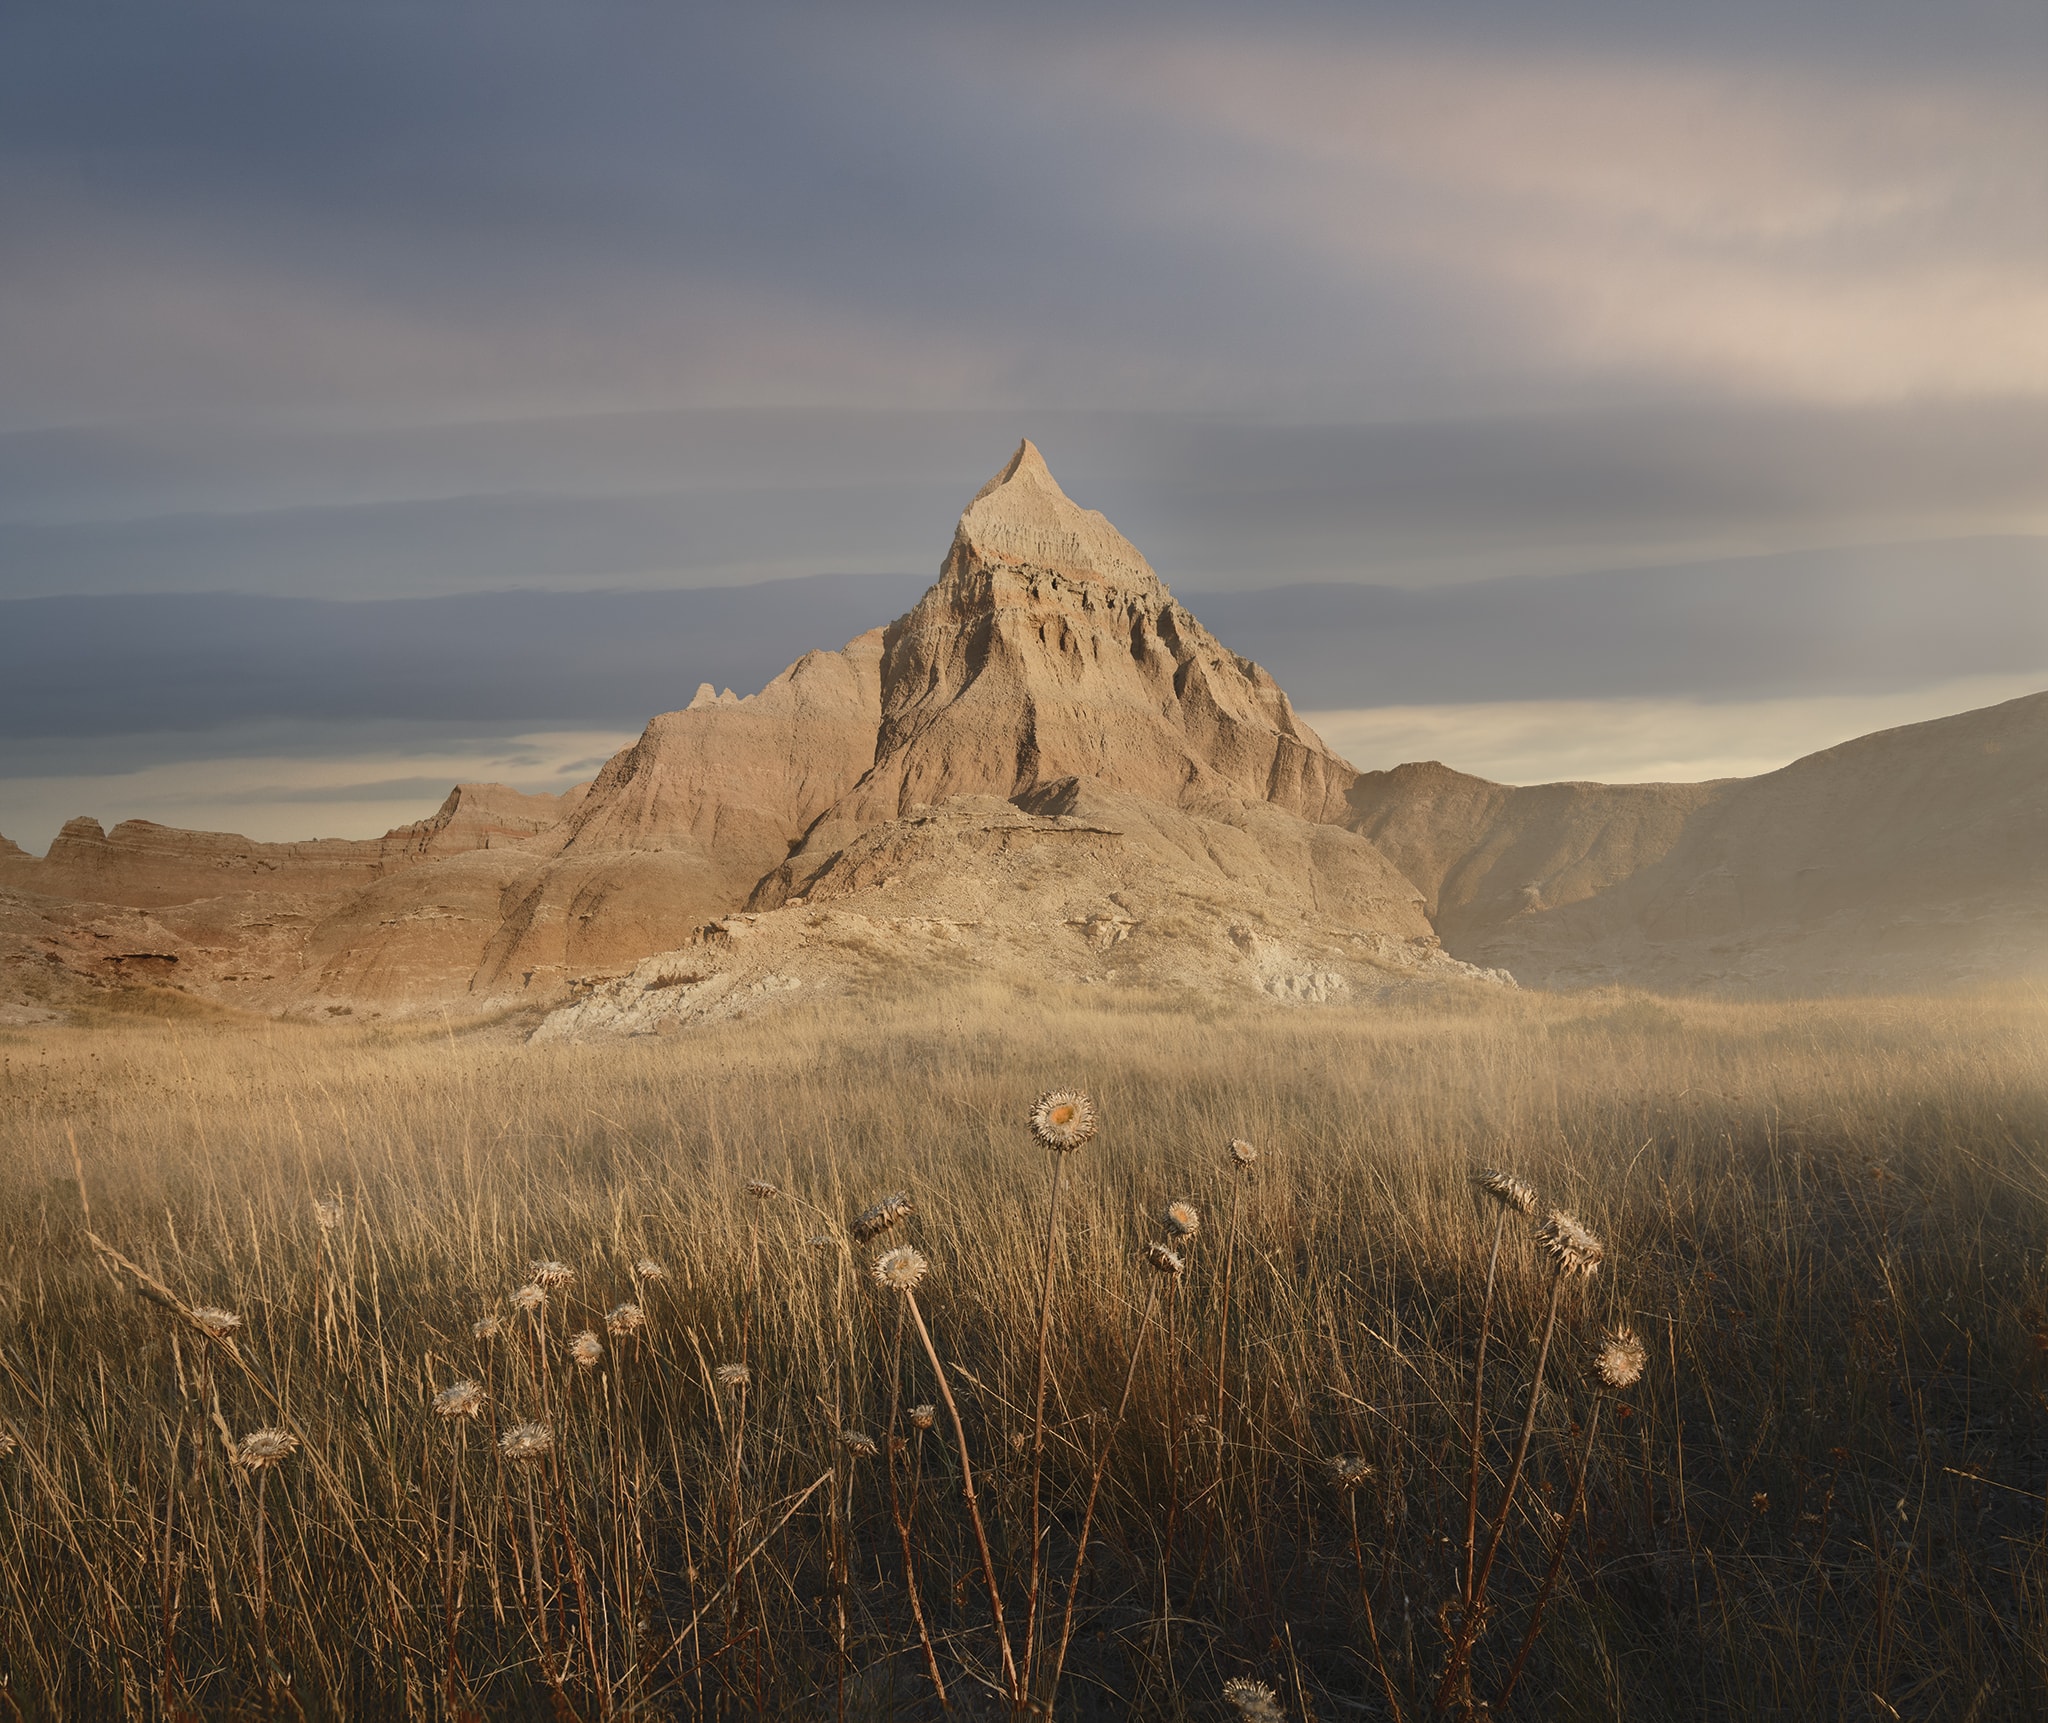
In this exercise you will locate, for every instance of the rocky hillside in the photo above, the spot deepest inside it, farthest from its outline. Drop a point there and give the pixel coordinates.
(1051, 773)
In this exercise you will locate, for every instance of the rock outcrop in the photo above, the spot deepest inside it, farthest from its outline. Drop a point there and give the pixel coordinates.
(1050, 774)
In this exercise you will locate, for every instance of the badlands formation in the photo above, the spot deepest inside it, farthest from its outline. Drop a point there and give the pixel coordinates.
(1050, 774)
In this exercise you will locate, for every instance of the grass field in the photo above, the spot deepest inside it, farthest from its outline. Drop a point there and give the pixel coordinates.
(1823, 1497)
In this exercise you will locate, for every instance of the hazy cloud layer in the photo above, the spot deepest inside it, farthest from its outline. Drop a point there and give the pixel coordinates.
(383, 302)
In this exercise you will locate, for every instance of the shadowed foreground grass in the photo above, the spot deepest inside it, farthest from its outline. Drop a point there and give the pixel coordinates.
(1823, 1497)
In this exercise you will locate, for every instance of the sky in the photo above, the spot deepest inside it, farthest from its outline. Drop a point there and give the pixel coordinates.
(401, 393)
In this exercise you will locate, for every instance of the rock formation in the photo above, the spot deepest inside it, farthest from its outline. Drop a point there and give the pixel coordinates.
(1050, 774)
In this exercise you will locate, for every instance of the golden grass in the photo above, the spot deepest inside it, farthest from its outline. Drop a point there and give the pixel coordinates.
(1824, 1496)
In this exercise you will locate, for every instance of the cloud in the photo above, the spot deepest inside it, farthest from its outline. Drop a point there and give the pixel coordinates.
(1641, 741)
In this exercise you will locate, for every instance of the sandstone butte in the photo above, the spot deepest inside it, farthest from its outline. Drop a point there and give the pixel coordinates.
(1050, 774)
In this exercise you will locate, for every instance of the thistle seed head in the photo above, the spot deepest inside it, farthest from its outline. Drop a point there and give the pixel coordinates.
(327, 1211)
(1163, 1260)
(1621, 1359)
(859, 1446)
(650, 1270)
(1573, 1247)
(264, 1448)
(893, 1210)
(550, 1273)
(1253, 1701)
(586, 1349)
(525, 1443)
(625, 1319)
(1183, 1220)
(1510, 1192)
(464, 1399)
(1348, 1471)
(733, 1375)
(923, 1417)
(900, 1269)
(486, 1326)
(1242, 1154)
(531, 1297)
(1063, 1119)
(762, 1191)
(216, 1323)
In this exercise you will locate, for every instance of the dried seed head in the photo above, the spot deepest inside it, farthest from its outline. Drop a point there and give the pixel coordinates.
(822, 1241)
(625, 1319)
(1507, 1190)
(263, 1448)
(648, 1269)
(900, 1269)
(219, 1324)
(327, 1211)
(6, 1443)
(1242, 1153)
(892, 1210)
(924, 1417)
(586, 1349)
(525, 1443)
(1573, 1247)
(486, 1326)
(550, 1273)
(1254, 1701)
(1164, 1260)
(1348, 1471)
(859, 1446)
(463, 1399)
(733, 1375)
(532, 1296)
(1183, 1219)
(761, 1190)
(1621, 1359)
(1063, 1119)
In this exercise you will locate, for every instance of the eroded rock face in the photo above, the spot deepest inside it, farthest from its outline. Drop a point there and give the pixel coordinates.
(1049, 649)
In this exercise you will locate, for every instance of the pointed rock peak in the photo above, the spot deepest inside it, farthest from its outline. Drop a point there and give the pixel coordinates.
(1022, 517)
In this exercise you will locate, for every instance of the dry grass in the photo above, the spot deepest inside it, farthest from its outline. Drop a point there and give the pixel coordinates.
(1823, 1499)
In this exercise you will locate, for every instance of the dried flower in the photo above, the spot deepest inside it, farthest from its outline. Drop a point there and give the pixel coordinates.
(464, 1399)
(761, 1190)
(1760, 1502)
(327, 1211)
(859, 1446)
(733, 1375)
(648, 1269)
(625, 1319)
(264, 1448)
(1164, 1260)
(1505, 1189)
(531, 1297)
(900, 1269)
(1620, 1360)
(1254, 1701)
(524, 1443)
(486, 1326)
(216, 1323)
(586, 1349)
(6, 1443)
(892, 1210)
(1573, 1247)
(550, 1273)
(1063, 1119)
(1183, 1219)
(924, 1416)
(1348, 1471)
(1242, 1153)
